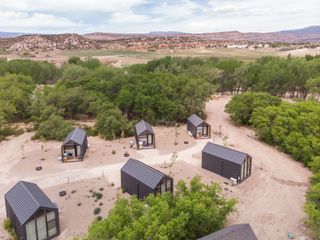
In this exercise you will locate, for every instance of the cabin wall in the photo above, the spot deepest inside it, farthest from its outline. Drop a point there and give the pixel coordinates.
(191, 128)
(133, 186)
(221, 166)
(84, 148)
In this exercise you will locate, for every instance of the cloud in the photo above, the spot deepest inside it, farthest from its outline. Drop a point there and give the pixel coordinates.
(153, 15)
(129, 16)
(70, 5)
(225, 9)
(21, 21)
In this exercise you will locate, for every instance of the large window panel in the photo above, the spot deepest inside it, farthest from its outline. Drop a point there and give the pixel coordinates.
(163, 187)
(169, 185)
(31, 230)
(52, 225)
(42, 227)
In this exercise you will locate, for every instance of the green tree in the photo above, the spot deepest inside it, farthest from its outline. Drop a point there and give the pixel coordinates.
(54, 128)
(191, 213)
(243, 105)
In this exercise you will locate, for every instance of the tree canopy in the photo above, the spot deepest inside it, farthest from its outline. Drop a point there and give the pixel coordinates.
(192, 212)
(294, 127)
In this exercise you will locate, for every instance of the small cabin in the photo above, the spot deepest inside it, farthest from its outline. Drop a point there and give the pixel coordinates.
(226, 162)
(74, 146)
(141, 180)
(198, 127)
(144, 134)
(34, 216)
(233, 232)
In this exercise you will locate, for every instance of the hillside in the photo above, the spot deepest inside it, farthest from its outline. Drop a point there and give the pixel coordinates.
(48, 42)
(309, 34)
(307, 30)
(156, 40)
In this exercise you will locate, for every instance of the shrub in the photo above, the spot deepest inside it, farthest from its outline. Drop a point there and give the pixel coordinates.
(96, 211)
(8, 226)
(54, 128)
(97, 195)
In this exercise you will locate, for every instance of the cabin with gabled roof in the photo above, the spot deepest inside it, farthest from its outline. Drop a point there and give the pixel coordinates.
(226, 162)
(74, 146)
(233, 232)
(198, 128)
(141, 180)
(33, 215)
(144, 134)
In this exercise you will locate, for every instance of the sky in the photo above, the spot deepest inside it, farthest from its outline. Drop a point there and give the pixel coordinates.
(142, 16)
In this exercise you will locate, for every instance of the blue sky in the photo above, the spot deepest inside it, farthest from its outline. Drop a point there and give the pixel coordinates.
(140, 16)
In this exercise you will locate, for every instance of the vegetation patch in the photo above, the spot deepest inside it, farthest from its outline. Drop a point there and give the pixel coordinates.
(190, 213)
(8, 226)
(295, 128)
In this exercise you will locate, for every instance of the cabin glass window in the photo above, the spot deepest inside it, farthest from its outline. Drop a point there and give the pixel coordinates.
(31, 230)
(150, 139)
(78, 150)
(246, 167)
(242, 171)
(142, 140)
(169, 185)
(52, 226)
(205, 131)
(199, 131)
(163, 187)
(41, 227)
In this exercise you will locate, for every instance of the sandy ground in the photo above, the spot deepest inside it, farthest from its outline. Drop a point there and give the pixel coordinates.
(271, 200)
(120, 58)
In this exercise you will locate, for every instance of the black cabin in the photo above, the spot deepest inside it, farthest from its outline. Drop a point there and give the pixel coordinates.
(74, 146)
(144, 135)
(140, 179)
(226, 162)
(198, 127)
(34, 216)
(233, 232)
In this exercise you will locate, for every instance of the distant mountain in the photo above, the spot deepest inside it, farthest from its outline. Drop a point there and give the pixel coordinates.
(307, 30)
(308, 34)
(10, 34)
(167, 33)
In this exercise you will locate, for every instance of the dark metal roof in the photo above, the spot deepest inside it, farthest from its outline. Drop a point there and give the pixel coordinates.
(143, 173)
(142, 126)
(25, 199)
(195, 120)
(77, 135)
(225, 153)
(234, 232)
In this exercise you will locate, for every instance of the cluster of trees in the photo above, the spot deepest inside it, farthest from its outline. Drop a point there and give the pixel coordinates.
(18, 80)
(296, 77)
(166, 90)
(40, 72)
(294, 127)
(15, 98)
(117, 98)
(192, 212)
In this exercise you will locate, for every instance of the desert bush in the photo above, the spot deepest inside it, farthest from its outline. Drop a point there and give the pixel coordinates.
(96, 211)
